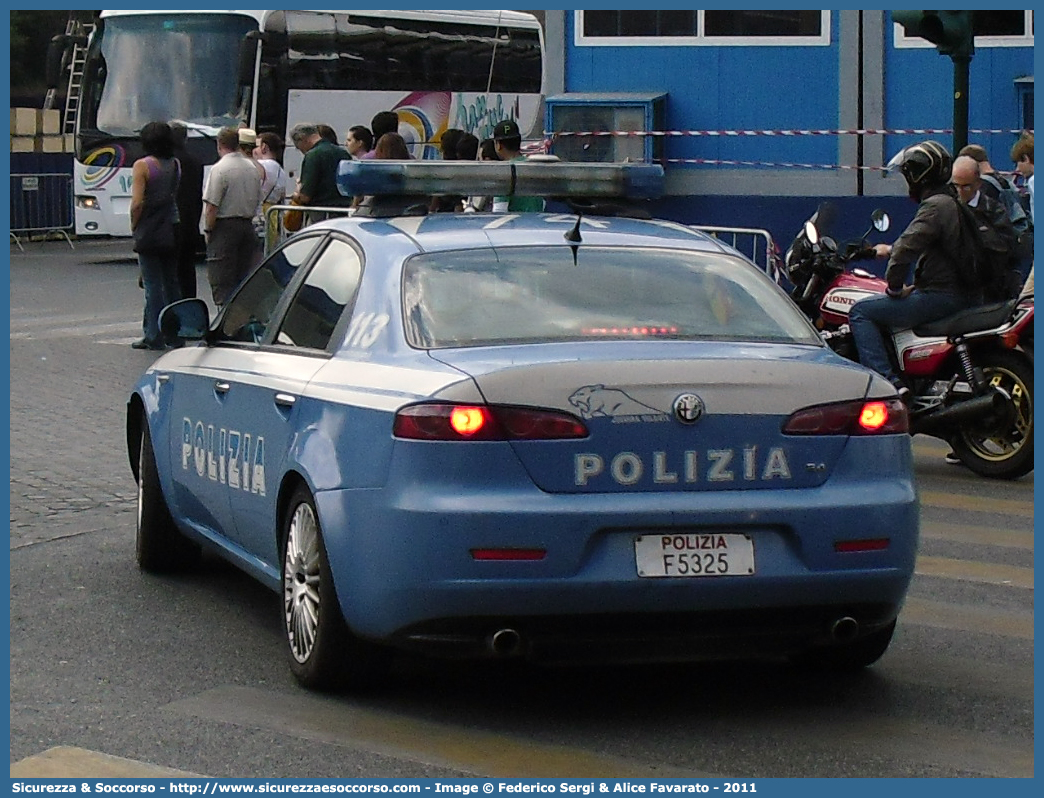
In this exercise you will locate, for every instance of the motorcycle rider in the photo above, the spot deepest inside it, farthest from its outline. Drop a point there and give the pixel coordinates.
(930, 241)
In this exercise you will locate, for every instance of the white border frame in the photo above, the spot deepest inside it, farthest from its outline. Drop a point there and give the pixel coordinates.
(579, 40)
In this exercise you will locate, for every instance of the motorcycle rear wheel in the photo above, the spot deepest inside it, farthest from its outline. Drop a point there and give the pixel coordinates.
(1002, 453)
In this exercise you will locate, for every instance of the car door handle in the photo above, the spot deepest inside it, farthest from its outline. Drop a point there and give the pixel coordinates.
(222, 387)
(285, 400)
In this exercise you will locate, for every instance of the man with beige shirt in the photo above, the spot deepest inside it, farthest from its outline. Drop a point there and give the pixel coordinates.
(230, 200)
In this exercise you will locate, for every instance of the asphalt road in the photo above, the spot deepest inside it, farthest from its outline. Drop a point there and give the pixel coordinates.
(188, 672)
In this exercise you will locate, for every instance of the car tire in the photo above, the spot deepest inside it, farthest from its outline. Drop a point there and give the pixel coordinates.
(849, 657)
(323, 652)
(159, 545)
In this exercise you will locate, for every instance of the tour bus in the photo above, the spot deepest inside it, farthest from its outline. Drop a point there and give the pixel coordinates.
(270, 70)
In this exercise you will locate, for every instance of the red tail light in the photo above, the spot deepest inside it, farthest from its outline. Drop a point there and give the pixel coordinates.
(448, 422)
(874, 417)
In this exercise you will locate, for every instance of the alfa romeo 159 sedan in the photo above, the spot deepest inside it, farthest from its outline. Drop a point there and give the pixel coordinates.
(527, 435)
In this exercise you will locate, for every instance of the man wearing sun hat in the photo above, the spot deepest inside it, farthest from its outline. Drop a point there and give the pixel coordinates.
(507, 141)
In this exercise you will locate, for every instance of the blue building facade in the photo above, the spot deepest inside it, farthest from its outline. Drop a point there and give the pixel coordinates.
(759, 81)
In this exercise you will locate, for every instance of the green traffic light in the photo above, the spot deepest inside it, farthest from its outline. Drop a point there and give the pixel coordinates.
(952, 32)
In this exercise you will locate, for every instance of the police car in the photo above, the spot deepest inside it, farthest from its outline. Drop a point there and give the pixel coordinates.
(556, 436)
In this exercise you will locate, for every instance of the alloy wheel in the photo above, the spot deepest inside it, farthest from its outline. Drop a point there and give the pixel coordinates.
(301, 577)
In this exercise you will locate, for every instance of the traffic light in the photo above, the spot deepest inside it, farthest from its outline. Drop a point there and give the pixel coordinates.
(952, 32)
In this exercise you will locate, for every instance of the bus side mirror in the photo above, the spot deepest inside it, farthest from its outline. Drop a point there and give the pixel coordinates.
(56, 52)
(248, 58)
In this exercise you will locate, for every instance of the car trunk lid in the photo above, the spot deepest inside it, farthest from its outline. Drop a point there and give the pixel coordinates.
(687, 417)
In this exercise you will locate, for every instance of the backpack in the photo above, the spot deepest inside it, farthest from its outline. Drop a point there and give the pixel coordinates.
(1011, 200)
(987, 260)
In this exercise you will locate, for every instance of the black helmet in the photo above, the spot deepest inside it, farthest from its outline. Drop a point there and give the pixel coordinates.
(924, 165)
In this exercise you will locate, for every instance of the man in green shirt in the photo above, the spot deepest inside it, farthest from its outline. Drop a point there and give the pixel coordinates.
(318, 185)
(507, 141)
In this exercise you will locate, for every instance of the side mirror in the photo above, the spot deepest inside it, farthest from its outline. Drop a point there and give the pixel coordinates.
(881, 220)
(187, 319)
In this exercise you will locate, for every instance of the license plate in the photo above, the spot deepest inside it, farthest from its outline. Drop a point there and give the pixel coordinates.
(694, 555)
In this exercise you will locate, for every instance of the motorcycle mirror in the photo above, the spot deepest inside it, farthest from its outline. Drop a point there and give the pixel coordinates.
(881, 220)
(811, 233)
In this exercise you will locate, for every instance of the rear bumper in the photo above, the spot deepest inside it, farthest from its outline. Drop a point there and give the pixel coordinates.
(647, 637)
(405, 575)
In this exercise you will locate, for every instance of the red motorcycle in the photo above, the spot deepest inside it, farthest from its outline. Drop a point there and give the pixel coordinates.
(970, 374)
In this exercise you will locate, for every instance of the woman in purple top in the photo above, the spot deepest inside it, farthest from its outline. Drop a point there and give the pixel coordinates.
(153, 215)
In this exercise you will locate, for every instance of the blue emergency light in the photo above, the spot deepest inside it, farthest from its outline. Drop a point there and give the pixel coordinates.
(535, 177)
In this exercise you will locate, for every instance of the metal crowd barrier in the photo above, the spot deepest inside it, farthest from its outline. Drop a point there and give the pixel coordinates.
(41, 204)
(276, 232)
(755, 243)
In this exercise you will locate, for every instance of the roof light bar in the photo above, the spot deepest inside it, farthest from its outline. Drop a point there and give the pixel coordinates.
(533, 178)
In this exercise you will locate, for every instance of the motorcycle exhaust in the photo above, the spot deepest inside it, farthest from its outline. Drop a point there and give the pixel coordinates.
(934, 421)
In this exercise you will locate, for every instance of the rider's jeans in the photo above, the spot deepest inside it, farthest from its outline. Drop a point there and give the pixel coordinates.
(873, 319)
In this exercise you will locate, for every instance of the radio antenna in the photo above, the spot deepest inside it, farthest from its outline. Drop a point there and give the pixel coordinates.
(573, 237)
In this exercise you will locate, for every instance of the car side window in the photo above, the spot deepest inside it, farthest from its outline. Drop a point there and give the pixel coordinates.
(327, 290)
(249, 312)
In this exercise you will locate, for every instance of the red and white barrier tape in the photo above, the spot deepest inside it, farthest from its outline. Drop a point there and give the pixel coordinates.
(783, 165)
(743, 133)
(533, 147)
(721, 162)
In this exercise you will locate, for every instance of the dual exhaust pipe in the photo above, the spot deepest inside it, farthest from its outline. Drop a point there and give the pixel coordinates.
(844, 629)
(505, 643)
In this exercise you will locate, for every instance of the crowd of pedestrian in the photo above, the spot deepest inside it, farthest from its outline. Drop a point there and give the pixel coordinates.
(171, 200)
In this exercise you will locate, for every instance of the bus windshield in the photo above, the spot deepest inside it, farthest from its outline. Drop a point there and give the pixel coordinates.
(163, 66)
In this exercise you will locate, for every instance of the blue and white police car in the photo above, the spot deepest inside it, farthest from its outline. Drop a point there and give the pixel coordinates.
(556, 436)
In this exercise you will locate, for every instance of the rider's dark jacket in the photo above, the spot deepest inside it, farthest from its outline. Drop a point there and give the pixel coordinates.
(930, 241)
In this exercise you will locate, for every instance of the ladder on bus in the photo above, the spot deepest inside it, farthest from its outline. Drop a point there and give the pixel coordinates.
(81, 31)
(77, 31)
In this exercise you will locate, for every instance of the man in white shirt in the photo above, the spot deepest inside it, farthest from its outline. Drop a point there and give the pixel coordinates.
(275, 188)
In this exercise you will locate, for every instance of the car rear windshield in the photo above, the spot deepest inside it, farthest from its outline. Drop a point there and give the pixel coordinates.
(488, 297)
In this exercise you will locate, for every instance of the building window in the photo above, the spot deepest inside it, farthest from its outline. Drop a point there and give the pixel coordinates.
(1024, 88)
(992, 29)
(702, 28)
